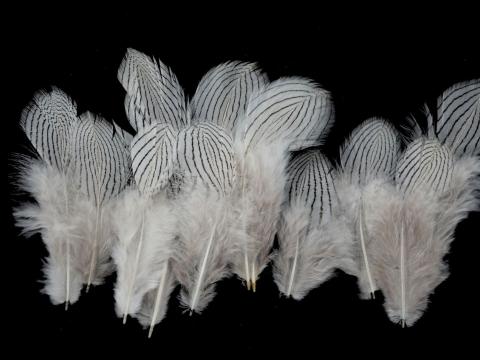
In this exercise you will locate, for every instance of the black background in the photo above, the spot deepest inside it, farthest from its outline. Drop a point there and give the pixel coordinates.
(373, 66)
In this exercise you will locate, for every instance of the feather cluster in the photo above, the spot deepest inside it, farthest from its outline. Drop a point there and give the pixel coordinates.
(206, 185)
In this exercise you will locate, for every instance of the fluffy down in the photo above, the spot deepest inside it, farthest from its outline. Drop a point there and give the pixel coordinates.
(304, 264)
(203, 247)
(142, 255)
(257, 209)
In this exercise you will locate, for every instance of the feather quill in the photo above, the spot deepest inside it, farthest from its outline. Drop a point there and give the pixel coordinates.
(73, 167)
(206, 160)
(154, 94)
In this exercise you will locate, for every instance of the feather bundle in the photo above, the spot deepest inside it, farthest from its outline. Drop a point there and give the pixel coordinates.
(83, 167)
(313, 237)
(286, 115)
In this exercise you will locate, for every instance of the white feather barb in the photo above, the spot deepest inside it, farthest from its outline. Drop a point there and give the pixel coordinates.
(203, 247)
(145, 228)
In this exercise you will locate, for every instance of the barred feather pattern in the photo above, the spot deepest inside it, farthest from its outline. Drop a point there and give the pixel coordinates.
(371, 151)
(154, 94)
(223, 93)
(425, 164)
(47, 122)
(153, 152)
(205, 153)
(456, 119)
(293, 111)
(100, 161)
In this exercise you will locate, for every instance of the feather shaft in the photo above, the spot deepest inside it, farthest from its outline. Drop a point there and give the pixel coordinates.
(93, 260)
(201, 274)
(67, 240)
(161, 286)
(402, 271)
(294, 267)
(364, 250)
(135, 268)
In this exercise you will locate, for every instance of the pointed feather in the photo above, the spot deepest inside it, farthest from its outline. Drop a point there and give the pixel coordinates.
(47, 122)
(154, 94)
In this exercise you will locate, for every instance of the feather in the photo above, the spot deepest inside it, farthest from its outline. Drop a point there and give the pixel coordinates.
(145, 227)
(288, 114)
(313, 239)
(222, 95)
(47, 122)
(367, 164)
(206, 161)
(154, 94)
(101, 167)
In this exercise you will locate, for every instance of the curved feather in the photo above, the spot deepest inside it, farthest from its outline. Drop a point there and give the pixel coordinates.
(47, 121)
(371, 151)
(153, 92)
(153, 157)
(290, 110)
(205, 152)
(222, 94)
(425, 164)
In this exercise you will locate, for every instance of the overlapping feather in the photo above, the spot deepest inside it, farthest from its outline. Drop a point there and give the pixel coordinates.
(83, 166)
(288, 114)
